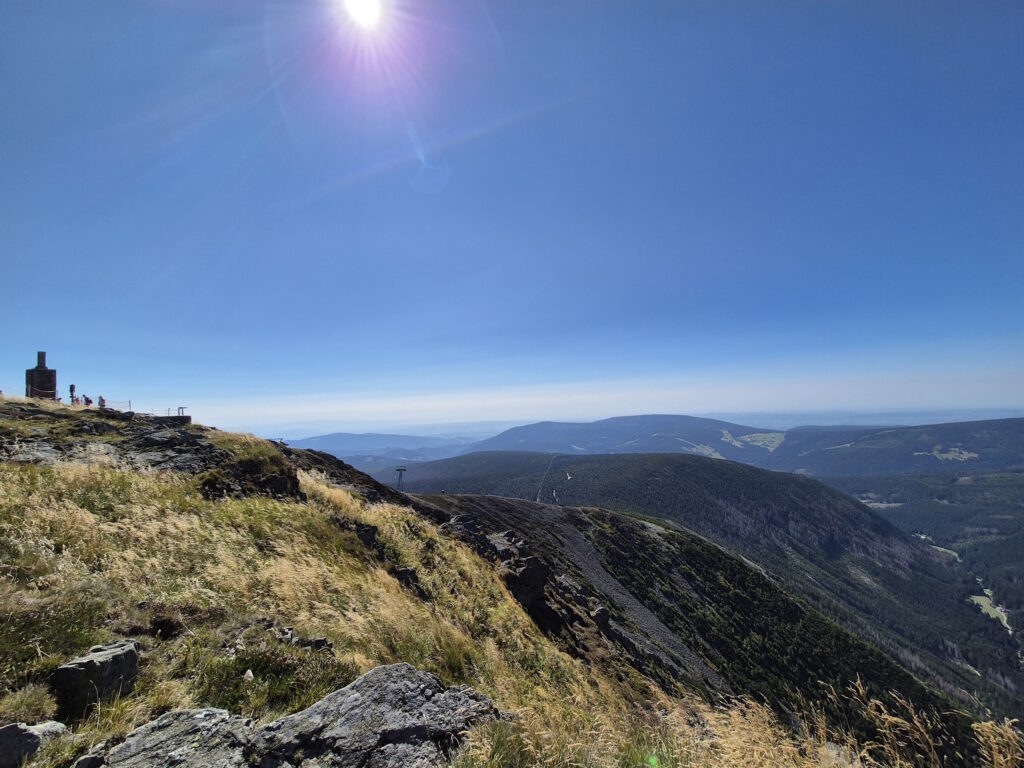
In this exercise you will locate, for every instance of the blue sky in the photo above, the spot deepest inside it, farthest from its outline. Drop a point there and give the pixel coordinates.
(507, 211)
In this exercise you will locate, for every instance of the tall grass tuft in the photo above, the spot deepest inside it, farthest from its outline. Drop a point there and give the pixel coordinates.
(31, 704)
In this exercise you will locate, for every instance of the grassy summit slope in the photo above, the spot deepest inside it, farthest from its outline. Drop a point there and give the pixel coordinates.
(204, 562)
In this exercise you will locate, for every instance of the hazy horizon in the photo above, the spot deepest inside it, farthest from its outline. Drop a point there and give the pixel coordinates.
(781, 420)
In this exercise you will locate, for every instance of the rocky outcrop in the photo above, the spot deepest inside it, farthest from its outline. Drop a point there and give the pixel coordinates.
(562, 581)
(31, 452)
(140, 441)
(180, 450)
(251, 478)
(19, 741)
(391, 717)
(409, 579)
(44, 435)
(186, 738)
(106, 671)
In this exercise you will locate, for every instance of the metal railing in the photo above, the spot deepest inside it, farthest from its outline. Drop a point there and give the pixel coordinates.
(43, 394)
(101, 402)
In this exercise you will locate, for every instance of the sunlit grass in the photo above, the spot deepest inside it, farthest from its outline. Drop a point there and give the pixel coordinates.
(92, 552)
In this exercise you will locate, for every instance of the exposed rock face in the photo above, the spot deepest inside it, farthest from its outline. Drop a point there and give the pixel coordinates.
(136, 441)
(249, 478)
(391, 717)
(19, 741)
(107, 670)
(182, 450)
(559, 577)
(171, 443)
(409, 579)
(190, 738)
(32, 452)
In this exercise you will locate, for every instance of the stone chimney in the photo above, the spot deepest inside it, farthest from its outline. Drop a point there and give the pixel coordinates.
(41, 381)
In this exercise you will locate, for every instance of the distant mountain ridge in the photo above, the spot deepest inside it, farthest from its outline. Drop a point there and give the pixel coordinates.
(399, 447)
(819, 451)
(813, 450)
(626, 434)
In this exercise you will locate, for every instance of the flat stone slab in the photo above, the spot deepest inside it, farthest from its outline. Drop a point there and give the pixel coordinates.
(392, 717)
(34, 452)
(189, 738)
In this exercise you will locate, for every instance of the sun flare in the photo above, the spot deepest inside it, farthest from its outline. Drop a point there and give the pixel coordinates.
(365, 13)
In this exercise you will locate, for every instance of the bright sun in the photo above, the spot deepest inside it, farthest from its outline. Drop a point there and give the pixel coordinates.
(365, 13)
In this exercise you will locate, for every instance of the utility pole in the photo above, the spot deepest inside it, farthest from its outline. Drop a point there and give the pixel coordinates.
(400, 470)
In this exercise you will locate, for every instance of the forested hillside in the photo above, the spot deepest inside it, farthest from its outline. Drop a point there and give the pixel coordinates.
(833, 551)
(977, 517)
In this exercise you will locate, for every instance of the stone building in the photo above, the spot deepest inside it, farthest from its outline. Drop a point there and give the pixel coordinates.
(41, 381)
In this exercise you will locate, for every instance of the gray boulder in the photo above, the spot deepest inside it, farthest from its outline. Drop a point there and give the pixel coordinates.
(106, 671)
(31, 452)
(189, 738)
(19, 741)
(391, 717)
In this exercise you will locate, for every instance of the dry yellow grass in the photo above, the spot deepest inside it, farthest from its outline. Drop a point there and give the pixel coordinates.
(31, 704)
(88, 551)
